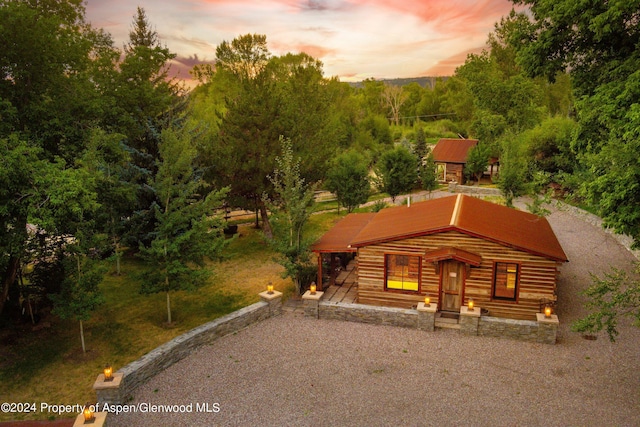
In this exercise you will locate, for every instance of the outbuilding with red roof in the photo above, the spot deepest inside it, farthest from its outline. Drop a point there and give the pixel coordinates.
(450, 156)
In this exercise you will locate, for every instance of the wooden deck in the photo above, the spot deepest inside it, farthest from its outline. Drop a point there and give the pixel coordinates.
(346, 287)
(346, 290)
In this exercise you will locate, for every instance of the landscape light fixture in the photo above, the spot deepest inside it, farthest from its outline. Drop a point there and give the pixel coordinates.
(108, 373)
(312, 289)
(427, 300)
(547, 311)
(87, 413)
(470, 304)
(270, 288)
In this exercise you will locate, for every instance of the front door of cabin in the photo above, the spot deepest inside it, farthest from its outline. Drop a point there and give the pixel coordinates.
(451, 284)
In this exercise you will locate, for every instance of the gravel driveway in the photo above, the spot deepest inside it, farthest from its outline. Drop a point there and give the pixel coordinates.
(292, 371)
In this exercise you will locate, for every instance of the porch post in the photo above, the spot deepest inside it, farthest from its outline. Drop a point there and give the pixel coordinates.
(319, 278)
(332, 276)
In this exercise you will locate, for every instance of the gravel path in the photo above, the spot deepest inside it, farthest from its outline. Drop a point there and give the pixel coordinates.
(292, 371)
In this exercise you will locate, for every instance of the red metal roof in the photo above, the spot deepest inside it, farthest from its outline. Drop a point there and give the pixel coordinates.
(466, 214)
(339, 237)
(453, 150)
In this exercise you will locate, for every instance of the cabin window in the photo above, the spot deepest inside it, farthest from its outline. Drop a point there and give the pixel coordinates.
(505, 280)
(402, 272)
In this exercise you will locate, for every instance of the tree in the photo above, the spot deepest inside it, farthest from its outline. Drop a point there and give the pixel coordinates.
(79, 295)
(294, 199)
(243, 152)
(245, 57)
(420, 147)
(145, 101)
(393, 97)
(348, 178)
(513, 169)
(271, 96)
(73, 204)
(611, 297)
(397, 170)
(599, 48)
(549, 145)
(477, 161)
(186, 234)
(50, 99)
(107, 162)
(428, 174)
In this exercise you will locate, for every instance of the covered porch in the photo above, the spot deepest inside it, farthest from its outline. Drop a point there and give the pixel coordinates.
(336, 258)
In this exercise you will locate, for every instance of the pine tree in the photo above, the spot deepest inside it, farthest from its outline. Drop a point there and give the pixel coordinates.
(186, 233)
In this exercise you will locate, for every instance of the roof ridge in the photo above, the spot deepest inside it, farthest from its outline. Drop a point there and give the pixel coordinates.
(456, 211)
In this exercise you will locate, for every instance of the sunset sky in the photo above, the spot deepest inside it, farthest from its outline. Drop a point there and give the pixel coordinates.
(355, 39)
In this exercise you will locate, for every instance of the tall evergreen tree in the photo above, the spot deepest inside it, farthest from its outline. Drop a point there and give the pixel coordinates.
(145, 102)
(185, 234)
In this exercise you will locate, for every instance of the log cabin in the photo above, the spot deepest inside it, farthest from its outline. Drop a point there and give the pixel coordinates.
(450, 157)
(450, 249)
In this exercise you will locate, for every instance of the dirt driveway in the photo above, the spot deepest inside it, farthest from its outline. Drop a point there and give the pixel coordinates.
(292, 371)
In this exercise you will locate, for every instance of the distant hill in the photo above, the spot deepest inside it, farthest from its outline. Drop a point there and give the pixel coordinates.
(422, 81)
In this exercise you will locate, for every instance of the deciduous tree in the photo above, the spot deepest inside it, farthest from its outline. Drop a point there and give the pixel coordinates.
(50, 100)
(599, 47)
(610, 297)
(477, 161)
(293, 202)
(348, 178)
(398, 172)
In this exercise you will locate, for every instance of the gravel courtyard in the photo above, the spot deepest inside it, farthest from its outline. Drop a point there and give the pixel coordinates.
(292, 371)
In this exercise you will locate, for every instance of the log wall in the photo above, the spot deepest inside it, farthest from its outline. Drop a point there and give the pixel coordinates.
(537, 275)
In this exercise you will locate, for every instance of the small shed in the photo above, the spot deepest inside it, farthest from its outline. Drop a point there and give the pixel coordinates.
(452, 249)
(450, 156)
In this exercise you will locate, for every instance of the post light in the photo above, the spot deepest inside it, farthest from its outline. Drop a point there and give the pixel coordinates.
(427, 300)
(108, 373)
(547, 311)
(312, 289)
(87, 413)
(470, 304)
(270, 288)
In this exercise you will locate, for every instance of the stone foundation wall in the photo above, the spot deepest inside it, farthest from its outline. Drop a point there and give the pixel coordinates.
(521, 330)
(140, 371)
(541, 331)
(369, 314)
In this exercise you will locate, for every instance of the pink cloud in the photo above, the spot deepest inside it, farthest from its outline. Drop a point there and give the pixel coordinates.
(450, 16)
(447, 66)
(316, 51)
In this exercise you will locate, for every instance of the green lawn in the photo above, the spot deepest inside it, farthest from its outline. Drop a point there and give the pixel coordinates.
(48, 365)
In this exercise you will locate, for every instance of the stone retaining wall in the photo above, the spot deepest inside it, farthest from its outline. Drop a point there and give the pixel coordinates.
(521, 330)
(473, 189)
(140, 371)
(368, 314)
